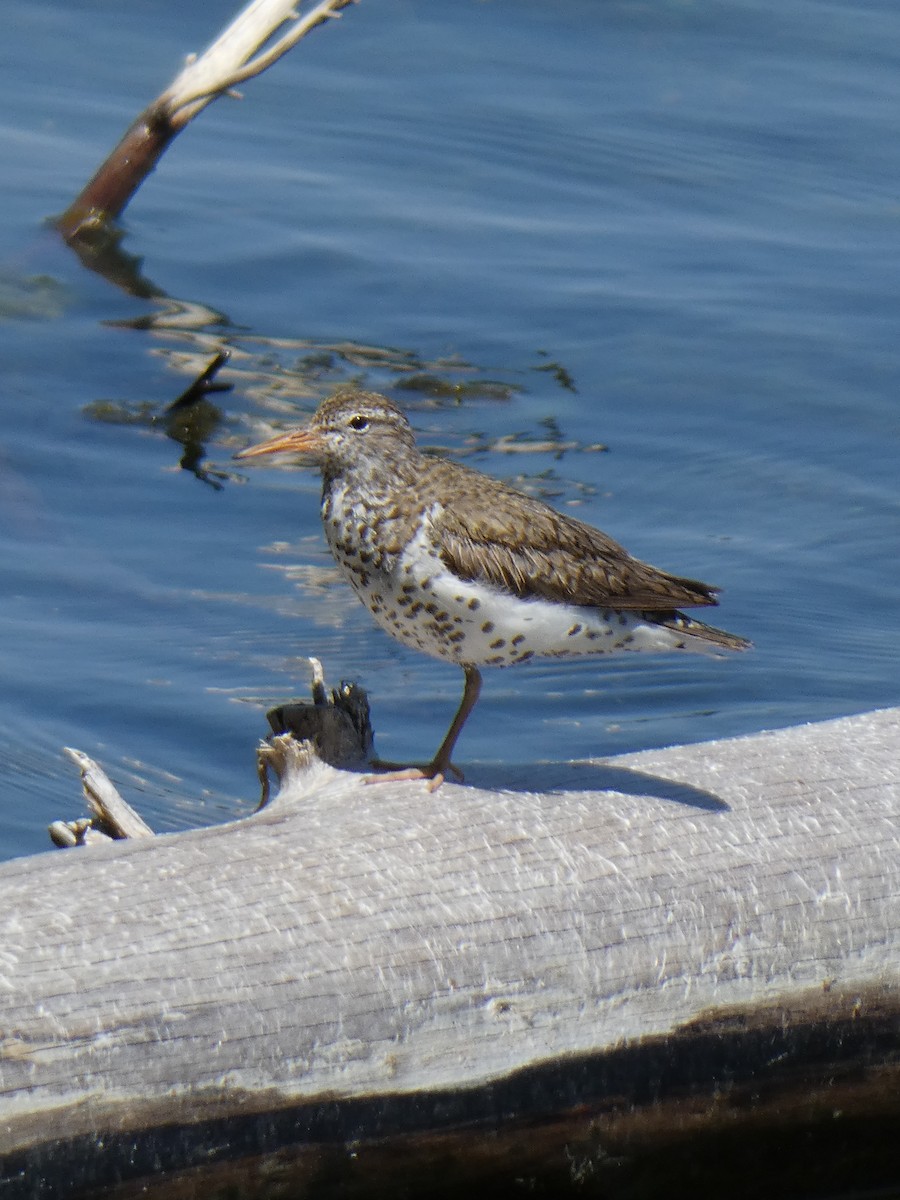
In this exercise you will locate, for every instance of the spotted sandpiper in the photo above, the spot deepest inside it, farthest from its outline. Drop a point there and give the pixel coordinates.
(469, 570)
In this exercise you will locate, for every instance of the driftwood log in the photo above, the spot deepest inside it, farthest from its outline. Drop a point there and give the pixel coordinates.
(673, 973)
(261, 33)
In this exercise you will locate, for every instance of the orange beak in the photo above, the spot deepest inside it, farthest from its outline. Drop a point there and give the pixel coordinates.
(297, 441)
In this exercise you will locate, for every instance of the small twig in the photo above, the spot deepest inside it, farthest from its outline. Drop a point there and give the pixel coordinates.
(184, 93)
(319, 691)
(204, 384)
(113, 817)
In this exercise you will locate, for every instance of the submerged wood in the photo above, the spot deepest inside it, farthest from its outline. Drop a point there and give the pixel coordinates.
(668, 973)
(254, 40)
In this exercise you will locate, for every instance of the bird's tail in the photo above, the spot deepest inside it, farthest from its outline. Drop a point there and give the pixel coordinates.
(696, 631)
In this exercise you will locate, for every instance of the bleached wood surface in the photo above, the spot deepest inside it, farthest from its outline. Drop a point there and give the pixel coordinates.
(351, 945)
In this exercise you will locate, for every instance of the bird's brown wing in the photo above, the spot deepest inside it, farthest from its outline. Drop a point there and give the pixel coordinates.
(490, 533)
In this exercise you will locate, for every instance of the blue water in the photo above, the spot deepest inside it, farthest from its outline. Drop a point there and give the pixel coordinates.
(692, 209)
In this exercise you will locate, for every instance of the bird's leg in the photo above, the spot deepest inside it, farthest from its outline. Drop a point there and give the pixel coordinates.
(440, 764)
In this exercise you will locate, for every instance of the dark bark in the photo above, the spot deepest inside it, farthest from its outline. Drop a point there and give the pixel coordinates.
(105, 197)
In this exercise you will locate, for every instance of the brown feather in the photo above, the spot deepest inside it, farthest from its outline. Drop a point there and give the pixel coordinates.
(511, 541)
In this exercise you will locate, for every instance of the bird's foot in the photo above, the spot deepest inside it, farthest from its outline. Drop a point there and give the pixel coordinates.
(434, 772)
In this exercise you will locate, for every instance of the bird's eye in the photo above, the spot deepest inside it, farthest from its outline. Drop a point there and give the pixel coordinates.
(359, 422)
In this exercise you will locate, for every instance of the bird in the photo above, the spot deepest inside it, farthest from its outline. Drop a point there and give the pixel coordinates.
(467, 569)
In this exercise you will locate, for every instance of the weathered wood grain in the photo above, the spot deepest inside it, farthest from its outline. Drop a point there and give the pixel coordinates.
(627, 950)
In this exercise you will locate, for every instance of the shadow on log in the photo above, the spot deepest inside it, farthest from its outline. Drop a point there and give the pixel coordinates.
(670, 973)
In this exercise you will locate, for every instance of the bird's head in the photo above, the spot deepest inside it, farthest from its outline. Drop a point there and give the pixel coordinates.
(351, 430)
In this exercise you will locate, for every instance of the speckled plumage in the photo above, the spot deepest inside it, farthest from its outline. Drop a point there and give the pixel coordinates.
(464, 568)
